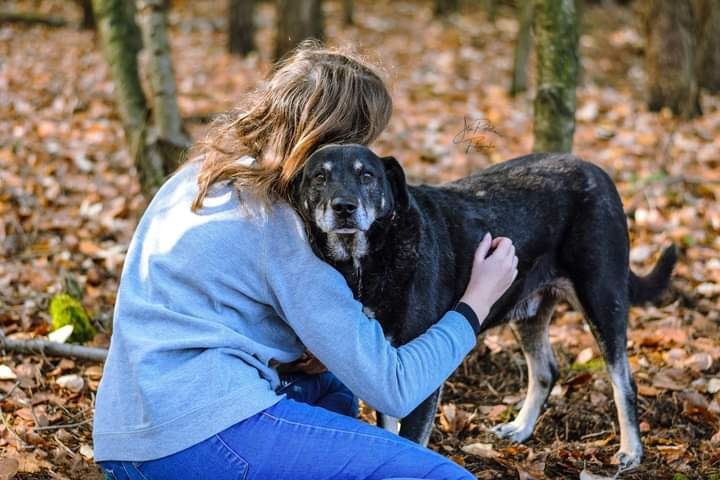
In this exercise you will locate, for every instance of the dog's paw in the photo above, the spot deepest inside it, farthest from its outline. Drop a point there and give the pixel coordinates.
(513, 431)
(628, 460)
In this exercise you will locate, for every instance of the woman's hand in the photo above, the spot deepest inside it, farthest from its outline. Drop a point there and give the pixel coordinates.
(308, 364)
(491, 274)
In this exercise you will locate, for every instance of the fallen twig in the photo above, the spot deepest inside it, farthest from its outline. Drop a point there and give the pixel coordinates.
(56, 349)
(59, 426)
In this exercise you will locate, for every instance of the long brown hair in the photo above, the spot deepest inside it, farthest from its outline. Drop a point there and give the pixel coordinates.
(313, 97)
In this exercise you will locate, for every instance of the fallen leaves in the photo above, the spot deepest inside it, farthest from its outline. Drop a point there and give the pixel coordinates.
(8, 468)
(671, 379)
(453, 420)
(587, 475)
(69, 201)
(6, 373)
(72, 382)
(483, 450)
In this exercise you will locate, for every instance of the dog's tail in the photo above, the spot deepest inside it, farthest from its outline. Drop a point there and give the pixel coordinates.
(649, 287)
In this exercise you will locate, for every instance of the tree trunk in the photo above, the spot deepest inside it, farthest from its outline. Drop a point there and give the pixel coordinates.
(491, 8)
(707, 13)
(241, 27)
(297, 20)
(445, 7)
(88, 20)
(167, 121)
(555, 29)
(670, 57)
(523, 43)
(121, 43)
(348, 12)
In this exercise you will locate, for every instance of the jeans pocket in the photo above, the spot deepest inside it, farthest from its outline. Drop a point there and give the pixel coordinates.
(237, 466)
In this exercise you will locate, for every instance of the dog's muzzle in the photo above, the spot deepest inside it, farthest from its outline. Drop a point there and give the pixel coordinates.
(344, 210)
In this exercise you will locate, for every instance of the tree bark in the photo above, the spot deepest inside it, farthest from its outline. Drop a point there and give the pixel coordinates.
(167, 121)
(491, 8)
(707, 13)
(445, 7)
(348, 12)
(297, 20)
(88, 20)
(670, 57)
(556, 40)
(121, 43)
(241, 28)
(523, 44)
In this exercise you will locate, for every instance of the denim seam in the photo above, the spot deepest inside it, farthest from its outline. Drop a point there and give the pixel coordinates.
(108, 473)
(239, 457)
(135, 468)
(318, 427)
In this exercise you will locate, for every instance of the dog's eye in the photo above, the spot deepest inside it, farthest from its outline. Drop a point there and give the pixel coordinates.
(319, 178)
(367, 176)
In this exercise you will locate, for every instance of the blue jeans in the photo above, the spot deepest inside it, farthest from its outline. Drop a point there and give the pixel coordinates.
(298, 439)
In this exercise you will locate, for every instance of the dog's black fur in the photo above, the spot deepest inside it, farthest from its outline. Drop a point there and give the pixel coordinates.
(407, 251)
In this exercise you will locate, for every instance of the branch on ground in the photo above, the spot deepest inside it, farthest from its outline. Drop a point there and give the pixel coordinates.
(46, 347)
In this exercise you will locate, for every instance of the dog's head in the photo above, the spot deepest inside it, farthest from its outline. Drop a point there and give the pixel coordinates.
(345, 190)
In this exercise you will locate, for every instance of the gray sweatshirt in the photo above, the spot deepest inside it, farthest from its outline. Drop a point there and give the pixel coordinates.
(207, 300)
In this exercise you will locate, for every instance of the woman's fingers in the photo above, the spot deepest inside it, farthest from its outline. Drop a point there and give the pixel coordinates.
(484, 247)
(504, 248)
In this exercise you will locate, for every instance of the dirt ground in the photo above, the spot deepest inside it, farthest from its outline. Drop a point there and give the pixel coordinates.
(69, 201)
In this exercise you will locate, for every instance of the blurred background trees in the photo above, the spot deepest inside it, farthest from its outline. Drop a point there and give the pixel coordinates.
(241, 27)
(681, 48)
(296, 21)
(523, 44)
(682, 52)
(670, 56)
(707, 32)
(153, 129)
(556, 34)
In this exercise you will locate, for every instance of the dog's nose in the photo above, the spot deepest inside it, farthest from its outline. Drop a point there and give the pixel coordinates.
(343, 206)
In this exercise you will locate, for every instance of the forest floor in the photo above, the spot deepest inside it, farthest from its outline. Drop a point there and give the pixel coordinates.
(69, 201)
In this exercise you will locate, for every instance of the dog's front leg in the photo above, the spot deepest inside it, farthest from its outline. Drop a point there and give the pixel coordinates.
(418, 425)
(386, 422)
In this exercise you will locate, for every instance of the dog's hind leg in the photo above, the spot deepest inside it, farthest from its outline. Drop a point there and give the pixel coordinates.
(606, 309)
(418, 425)
(533, 335)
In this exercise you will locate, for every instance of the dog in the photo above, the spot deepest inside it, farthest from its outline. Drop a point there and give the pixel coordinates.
(407, 252)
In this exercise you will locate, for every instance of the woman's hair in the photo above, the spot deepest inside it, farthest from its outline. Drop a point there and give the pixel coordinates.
(313, 97)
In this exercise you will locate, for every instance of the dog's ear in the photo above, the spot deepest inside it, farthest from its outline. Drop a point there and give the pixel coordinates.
(294, 190)
(396, 176)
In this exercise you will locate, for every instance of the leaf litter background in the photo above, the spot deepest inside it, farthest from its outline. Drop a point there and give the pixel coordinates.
(69, 201)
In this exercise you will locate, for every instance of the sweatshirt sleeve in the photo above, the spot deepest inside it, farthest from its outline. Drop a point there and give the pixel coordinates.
(315, 300)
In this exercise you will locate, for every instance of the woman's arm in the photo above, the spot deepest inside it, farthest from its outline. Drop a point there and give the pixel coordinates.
(316, 302)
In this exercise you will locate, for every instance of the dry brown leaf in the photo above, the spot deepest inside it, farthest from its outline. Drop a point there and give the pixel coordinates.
(483, 450)
(8, 468)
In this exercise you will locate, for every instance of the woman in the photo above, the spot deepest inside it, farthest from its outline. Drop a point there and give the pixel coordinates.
(220, 284)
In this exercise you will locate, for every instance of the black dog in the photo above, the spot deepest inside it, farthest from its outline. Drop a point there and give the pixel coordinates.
(406, 251)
